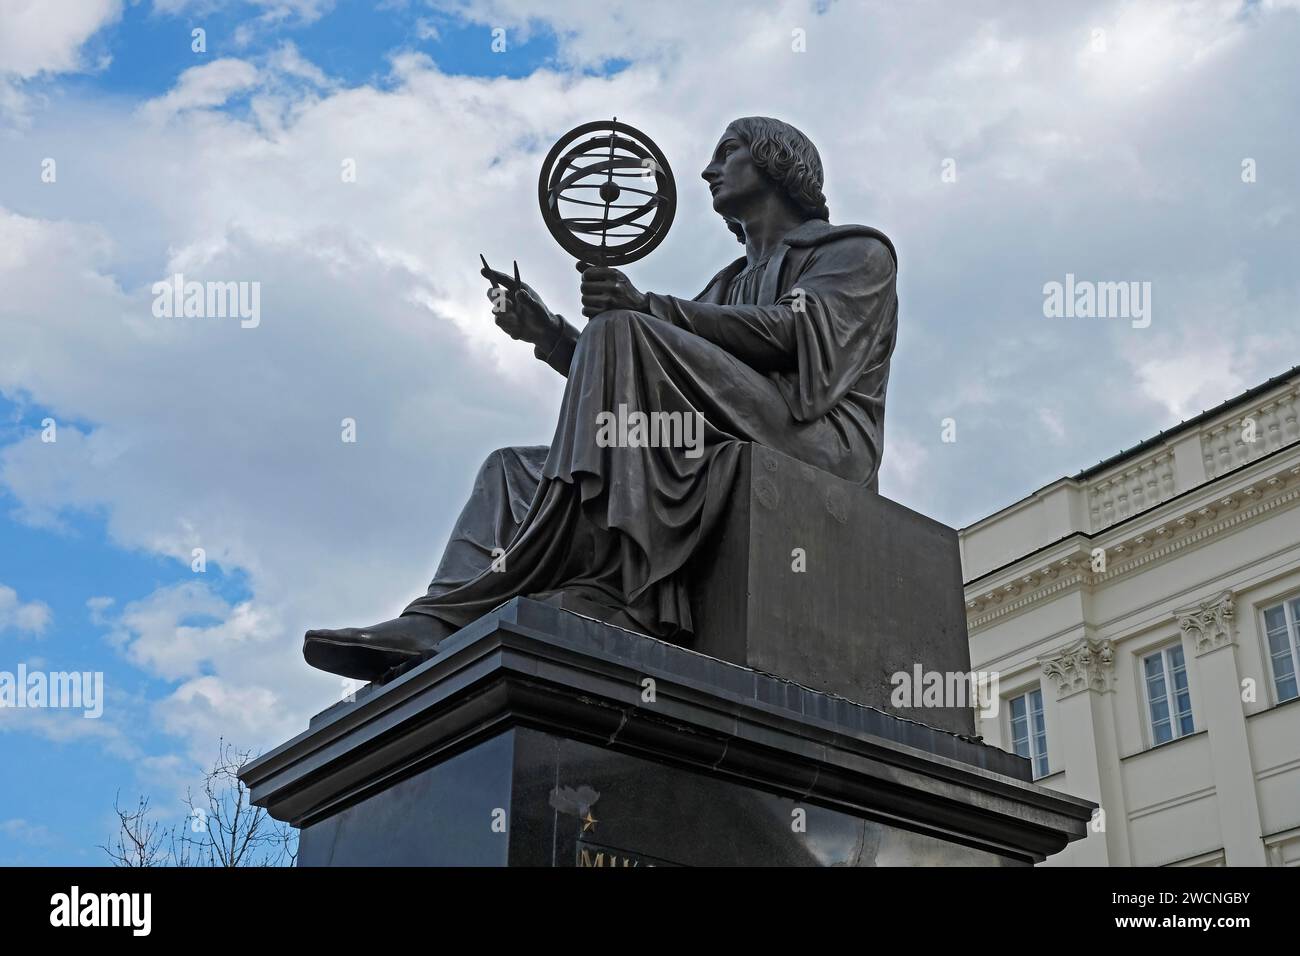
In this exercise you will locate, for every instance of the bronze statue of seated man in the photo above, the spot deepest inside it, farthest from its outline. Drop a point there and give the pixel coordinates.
(788, 347)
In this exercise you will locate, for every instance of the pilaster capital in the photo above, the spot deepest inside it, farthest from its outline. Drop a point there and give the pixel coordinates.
(1086, 664)
(1210, 624)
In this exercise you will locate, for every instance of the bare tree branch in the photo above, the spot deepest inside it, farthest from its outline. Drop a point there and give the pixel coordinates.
(223, 828)
(140, 838)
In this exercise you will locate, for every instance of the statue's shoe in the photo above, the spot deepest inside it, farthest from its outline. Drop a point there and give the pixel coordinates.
(366, 653)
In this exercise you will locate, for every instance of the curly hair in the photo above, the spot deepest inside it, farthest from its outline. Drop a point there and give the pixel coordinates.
(788, 158)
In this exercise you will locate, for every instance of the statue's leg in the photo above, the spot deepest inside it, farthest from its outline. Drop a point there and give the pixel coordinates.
(503, 489)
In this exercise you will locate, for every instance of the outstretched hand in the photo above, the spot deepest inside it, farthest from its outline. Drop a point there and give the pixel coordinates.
(519, 311)
(605, 288)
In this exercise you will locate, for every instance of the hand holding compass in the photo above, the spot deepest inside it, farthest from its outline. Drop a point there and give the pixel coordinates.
(518, 309)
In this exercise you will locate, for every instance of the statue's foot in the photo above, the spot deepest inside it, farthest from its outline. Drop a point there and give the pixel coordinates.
(365, 653)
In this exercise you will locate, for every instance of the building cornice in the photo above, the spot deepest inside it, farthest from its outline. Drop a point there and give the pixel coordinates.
(1162, 534)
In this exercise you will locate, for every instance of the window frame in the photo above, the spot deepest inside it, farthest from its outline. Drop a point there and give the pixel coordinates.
(1171, 694)
(1034, 754)
(1291, 620)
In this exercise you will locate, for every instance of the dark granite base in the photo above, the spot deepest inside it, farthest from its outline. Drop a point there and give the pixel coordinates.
(567, 803)
(532, 740)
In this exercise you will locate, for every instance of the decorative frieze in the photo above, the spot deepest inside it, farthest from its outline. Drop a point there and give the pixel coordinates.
(1268, 426)
(1144, 482)
(1143, 485)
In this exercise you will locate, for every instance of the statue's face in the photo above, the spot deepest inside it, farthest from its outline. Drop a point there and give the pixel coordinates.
(733, 178)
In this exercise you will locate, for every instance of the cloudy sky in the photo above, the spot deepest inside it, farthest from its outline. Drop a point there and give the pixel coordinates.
(1001, 146)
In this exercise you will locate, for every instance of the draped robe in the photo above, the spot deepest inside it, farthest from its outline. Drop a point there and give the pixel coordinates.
(791, 352)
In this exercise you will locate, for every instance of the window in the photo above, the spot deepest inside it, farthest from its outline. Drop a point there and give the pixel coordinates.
(1028, 731)
(1282, 627)
(1169, 702)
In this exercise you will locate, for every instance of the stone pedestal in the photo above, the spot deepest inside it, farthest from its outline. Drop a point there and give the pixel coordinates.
(542, 738)
(827, 583)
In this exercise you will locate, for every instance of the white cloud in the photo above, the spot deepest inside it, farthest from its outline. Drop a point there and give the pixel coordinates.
(35, 39)
(306, 10)
(156, 635)
(1051, 420)
(1191, 382)
(273, 14)
(904, 467)
(98, 608)
(211, 84)
(25, 617)
(24, 831)
(426, 29)
(207, 708)
(68, 726)
(1211, 339)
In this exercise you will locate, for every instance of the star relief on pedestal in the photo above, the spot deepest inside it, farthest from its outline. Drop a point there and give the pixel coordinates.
(1210, 624)
(1084, 665)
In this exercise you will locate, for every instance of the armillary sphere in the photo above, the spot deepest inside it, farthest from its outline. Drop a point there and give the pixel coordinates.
(607, 193)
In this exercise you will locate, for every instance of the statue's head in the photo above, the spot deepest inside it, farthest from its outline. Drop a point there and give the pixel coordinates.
(758, 155)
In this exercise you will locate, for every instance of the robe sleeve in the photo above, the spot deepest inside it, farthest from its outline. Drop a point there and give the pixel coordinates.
(819, 342)
(558, 352)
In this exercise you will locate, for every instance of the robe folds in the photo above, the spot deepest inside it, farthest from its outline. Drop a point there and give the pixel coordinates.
(791, 352)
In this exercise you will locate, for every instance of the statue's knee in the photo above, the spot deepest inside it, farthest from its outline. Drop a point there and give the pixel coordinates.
(495, 462)
(595, 343)
(611, 320)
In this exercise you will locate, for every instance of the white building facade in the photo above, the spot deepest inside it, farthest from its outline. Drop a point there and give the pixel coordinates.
(1144, 620)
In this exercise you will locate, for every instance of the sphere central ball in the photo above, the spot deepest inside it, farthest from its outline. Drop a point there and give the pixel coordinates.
(609, 191)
